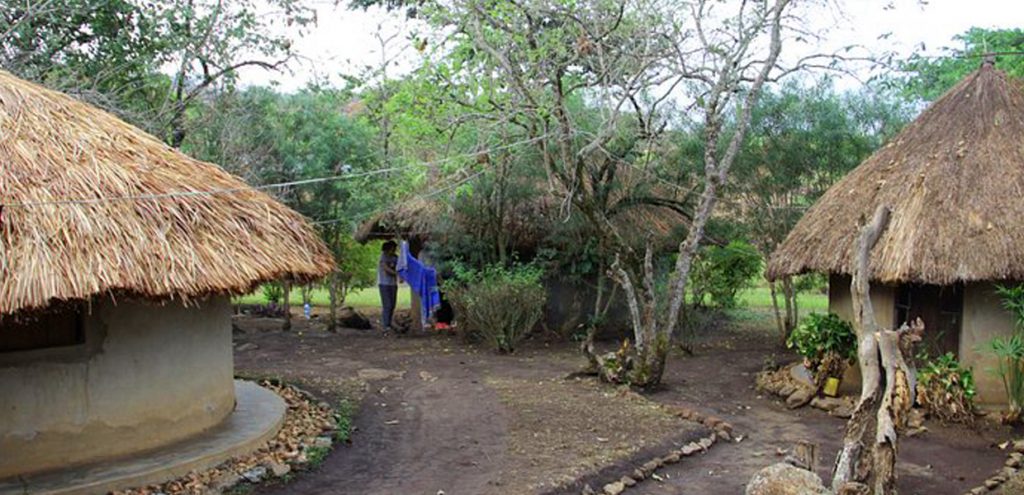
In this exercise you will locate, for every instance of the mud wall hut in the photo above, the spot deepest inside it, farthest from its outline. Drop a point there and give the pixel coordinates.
(116, 270)
(954, 179)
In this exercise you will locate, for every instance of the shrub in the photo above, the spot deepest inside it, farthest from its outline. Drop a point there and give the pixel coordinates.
(273, 292)
(1009, 351)
(498, 305)
(946, 388)
(720, 272)
(826, 342)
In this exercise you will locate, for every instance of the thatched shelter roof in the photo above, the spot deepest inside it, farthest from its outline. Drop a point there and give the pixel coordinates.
(954, 179)
(422, 217)
(92, 205)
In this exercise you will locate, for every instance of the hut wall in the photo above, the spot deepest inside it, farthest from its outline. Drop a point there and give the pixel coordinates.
(984, 318)
(840, 301)
(147, 375)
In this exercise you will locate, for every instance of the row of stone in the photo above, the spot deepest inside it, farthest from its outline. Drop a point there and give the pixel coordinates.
(648, 468)
(1012, 467)
(720, 430)
(307, 426)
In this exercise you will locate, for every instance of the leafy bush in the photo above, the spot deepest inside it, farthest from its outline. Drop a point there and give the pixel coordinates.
(498, 304)
(946, 388)
(1009, 351)
(273, 292)
(720, 272)
(826, 342)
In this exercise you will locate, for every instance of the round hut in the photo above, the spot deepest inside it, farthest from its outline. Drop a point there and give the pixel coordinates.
(953, 179)
(116, 267)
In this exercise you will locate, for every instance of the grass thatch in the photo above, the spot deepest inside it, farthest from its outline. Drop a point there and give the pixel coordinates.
(55, 150)
(527, 223)
(954, 180)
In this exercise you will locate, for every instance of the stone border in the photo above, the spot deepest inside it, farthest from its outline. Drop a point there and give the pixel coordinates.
(720, 430)
(1013, 465)
(305, 434)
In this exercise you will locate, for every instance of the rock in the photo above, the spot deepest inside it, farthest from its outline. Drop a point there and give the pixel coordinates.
(278, 469)
(706, 442)
(255, 475)
(651, 466)
(627, 481)
(587, 490)
(638, 474)
(225, 481)
(827, 404)
(248, 346)
(784, 479)
(844, 411)
(787, 390)
(614, 488)
(799, 398)
(978, 490)
(323, 442)
(1018, 446)
(373, 374)
(992, 483)
(692, 447)
(670, 459)
(724, 435)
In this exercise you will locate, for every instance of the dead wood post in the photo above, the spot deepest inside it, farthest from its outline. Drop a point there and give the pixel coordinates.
(861, 465)
(848, 467)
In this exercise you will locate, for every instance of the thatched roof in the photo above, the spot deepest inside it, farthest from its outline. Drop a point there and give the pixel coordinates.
(422, 217)
(954, 179)
(59, 241)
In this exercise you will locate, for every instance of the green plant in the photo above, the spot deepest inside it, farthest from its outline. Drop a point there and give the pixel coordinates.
(826, 342)
(273, 292)
(1009, 351)
(946, 388)
(820, 334)
(498, 304)
(719, 272)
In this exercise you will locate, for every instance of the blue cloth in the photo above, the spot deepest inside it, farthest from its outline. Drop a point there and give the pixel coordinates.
(421, 279)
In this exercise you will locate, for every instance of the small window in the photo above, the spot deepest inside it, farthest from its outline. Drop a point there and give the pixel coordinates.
(58, 327)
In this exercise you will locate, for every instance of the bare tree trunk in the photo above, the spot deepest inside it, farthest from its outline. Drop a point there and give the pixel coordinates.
(287, 305)
(332, 293)
(858, 466)
(779, 324)
(849, 466)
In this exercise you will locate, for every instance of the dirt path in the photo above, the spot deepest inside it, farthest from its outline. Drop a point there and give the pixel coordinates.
(436, 416)
(942, 461)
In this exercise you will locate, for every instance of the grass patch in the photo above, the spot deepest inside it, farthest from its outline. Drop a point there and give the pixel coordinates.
(343, 416)
(761, 297)
(363, 298)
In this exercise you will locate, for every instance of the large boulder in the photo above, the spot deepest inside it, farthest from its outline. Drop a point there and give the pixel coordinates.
(785, 479)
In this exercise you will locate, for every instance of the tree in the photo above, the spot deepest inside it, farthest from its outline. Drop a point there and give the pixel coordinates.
(114, 52)
(628, 62)
(926, 78)
(803, 139)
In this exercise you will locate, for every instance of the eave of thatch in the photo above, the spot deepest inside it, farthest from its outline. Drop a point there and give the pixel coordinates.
(54, 148)
(954, 180)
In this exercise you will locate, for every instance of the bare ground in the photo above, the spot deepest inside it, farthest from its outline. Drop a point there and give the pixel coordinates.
(437, 415)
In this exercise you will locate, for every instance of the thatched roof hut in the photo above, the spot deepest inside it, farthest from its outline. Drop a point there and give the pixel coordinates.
(68, 234)
(953, 179)
(101, 226)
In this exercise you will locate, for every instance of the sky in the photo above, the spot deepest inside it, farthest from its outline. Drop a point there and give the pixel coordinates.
(345, 42)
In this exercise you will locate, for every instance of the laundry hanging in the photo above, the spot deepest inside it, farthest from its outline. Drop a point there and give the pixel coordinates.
(423, 281)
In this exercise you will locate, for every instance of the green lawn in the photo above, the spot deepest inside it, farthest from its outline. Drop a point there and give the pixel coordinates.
(757, 297)
(363, 298)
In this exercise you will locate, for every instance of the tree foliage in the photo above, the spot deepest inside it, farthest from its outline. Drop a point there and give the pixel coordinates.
(926, 78)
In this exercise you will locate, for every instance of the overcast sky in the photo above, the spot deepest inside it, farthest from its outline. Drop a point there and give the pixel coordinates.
(344, 41)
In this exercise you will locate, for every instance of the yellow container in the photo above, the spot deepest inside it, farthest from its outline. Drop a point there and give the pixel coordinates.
(831, 386)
